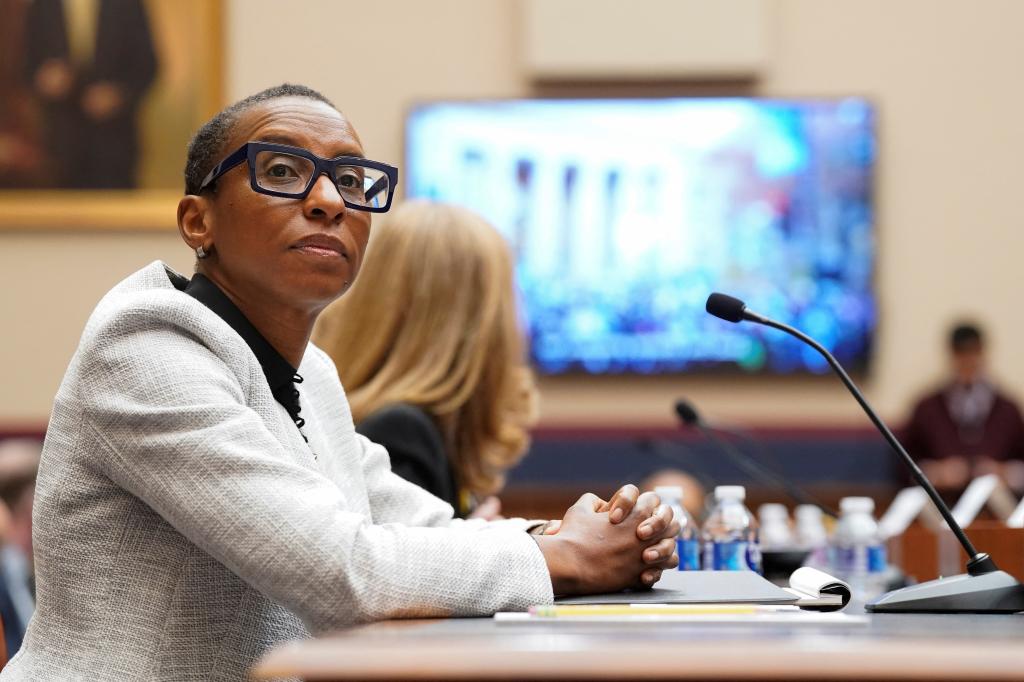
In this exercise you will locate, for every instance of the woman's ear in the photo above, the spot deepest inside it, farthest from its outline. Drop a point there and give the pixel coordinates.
(195, 223)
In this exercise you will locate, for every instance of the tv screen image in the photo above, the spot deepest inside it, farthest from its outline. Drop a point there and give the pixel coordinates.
(623, 215)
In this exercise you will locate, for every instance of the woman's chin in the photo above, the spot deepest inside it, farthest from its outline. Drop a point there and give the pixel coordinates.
(328, 289)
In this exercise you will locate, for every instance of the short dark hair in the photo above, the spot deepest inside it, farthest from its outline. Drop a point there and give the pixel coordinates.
(965, 336)
(207, 146)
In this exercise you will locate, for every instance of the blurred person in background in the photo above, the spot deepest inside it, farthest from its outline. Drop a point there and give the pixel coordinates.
(19, 463)
(967, 427)
(693, 492)
(429, 348)
(21, 156)
(89, 63)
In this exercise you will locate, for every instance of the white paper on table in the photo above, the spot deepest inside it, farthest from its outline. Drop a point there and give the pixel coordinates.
(905, 507)
(1016, 519)
(775, 615)
(817, 590)
(984, 490)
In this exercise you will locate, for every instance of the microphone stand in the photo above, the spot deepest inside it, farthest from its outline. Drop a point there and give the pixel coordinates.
(984, 588)
(755, 470)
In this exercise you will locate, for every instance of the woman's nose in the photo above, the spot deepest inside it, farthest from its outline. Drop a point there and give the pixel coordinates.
(324, 200)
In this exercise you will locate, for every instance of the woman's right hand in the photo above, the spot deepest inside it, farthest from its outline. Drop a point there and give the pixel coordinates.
(591, 555)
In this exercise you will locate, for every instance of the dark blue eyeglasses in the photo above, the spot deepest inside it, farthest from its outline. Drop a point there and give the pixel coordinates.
(283, 171)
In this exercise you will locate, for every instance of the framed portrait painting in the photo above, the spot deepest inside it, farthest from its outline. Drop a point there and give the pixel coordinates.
(100, 99)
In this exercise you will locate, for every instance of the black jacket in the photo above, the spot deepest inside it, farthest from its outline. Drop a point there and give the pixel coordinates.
(416, 447)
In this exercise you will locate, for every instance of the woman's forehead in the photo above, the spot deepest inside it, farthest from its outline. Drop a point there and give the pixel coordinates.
(301, 122)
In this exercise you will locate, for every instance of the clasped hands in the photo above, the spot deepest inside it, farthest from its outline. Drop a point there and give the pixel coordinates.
(607, 546)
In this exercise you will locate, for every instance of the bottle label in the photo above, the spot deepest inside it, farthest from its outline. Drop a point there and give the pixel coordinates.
(876, 559)
(870, 559)
(846, 559)
(728, 556)
(754, 557)
(689, 554)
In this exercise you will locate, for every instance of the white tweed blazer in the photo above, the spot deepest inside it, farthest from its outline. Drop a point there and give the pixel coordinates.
(183, 526)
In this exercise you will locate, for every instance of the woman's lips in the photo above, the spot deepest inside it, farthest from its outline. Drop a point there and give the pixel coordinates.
(320, 251)
(322, 246)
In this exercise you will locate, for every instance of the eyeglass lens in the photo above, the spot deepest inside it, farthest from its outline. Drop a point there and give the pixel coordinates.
(290, 174)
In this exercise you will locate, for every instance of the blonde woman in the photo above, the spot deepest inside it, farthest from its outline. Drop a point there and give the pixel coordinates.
(429, 349)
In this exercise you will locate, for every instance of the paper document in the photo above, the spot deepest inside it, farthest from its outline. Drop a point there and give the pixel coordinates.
(988, 490)
(817, 590)
(1016, 519)
(905, 507)
(649, 613)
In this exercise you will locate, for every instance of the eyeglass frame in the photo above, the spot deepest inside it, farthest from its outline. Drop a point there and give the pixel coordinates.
(248, 151)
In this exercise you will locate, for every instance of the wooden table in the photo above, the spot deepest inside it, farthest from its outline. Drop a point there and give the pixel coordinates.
(888, 647)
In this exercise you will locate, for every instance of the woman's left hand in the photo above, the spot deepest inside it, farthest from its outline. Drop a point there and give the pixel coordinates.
(619, 507)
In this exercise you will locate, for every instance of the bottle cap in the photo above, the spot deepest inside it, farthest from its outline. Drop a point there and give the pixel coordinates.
(730, 492)
(854, 505)
(773, 511)
(669, 493)
(807, 512)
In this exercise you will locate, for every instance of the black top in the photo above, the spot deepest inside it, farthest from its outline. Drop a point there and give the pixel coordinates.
(281, 376)
(416, 448)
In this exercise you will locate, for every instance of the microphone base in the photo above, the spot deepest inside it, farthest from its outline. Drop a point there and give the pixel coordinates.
(995, 592)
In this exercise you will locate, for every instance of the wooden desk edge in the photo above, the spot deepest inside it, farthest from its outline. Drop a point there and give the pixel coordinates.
(365, 653)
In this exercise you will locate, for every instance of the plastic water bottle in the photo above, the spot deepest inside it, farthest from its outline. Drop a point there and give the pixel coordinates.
(810, 528)
(812, 537)
(775, 531)
(857, 552)
(730, 533)
(688, 539)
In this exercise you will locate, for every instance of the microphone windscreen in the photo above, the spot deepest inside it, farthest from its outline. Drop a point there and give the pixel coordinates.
(725, 307)
(687, 413)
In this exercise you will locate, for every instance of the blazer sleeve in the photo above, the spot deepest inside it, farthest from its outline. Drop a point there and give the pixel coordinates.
(172, 428)
(415, 448)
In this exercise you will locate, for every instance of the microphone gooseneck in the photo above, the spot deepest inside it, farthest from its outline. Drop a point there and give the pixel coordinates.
(690, 418)
(734, 310)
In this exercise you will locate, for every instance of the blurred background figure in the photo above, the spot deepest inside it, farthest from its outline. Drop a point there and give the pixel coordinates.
(19, 462)
(967, 427)
(430, 352)
(21, 158)
(693, 491)
(88, 64)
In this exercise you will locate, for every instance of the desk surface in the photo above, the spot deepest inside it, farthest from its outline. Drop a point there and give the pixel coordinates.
(905, 647)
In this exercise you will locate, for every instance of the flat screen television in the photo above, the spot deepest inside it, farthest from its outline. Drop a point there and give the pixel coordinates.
(623, 215)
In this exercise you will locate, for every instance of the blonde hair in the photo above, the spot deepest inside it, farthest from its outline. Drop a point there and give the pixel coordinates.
(431, 321)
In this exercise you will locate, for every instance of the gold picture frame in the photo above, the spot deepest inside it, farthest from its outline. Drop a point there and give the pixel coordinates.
(188, 37)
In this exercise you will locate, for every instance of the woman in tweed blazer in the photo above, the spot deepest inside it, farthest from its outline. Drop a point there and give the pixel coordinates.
(188, 516)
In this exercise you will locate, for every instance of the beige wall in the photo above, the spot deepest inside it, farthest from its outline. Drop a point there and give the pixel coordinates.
(945, 74)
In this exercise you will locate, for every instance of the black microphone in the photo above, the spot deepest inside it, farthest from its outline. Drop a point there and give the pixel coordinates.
(984, 588)
(688, 415)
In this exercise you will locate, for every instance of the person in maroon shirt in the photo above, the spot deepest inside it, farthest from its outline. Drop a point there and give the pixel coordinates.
(968, 427)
